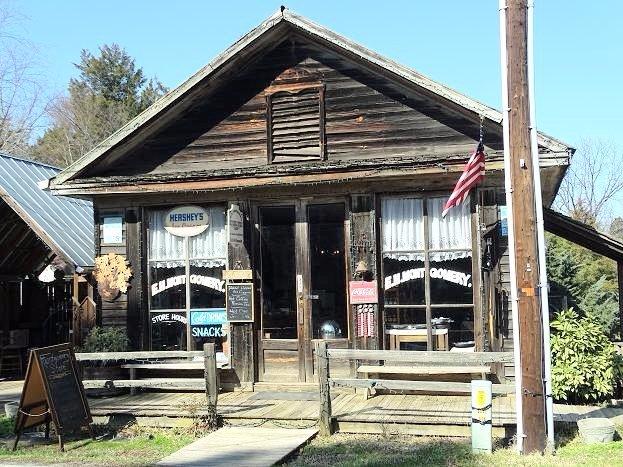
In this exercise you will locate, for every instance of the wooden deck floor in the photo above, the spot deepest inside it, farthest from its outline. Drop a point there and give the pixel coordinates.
(415, 414)
(352, 411)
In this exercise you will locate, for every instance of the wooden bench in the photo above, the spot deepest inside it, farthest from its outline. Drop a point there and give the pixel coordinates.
(444, 367)
(209, 383)
(174, 360)
(186, 383)
(403, 363)
(481, 370)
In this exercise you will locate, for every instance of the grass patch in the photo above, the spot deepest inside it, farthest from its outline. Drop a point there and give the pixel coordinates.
(377, 450)
(130, 446)
(6, 425)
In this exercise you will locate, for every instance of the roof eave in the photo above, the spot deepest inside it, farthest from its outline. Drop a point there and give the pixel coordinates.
(321, 34)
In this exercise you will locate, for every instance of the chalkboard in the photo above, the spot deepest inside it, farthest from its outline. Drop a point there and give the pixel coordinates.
(53, 392)
(239, 302)
(67, 396)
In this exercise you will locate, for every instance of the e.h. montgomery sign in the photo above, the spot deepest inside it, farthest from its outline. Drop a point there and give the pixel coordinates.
(456, 277)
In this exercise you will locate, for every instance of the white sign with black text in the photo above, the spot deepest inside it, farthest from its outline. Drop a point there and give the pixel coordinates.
(235, 226)
(186, 221)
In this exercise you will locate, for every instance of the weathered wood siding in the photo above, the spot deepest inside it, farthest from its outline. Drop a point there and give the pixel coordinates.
(129, 310)
(111, 313)
(367, 116)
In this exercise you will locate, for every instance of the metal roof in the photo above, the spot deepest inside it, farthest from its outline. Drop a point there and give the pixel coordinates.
(64, 224)
(583, 234)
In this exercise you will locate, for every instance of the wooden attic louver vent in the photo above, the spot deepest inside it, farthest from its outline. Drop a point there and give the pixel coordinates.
(295, 124)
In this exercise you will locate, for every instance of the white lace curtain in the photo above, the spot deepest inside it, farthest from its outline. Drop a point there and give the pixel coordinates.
(451, 232)
(208, 249)
(403, 229)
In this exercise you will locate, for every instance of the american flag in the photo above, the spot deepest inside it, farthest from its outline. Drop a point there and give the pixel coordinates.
(473, 173)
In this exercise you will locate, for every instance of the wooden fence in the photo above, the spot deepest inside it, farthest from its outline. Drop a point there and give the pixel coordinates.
(162, 361)
(406, 360)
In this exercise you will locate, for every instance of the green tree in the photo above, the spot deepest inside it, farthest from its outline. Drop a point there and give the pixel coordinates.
(109, 91)
(586, 279)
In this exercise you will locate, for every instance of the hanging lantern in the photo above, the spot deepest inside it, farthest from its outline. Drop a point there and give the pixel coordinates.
(362, 268)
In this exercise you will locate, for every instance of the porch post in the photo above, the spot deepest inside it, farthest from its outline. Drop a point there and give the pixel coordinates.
(242, 339)
(363, 254)
(620, 283)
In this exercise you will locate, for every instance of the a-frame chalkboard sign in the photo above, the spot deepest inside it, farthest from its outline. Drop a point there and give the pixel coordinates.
(53, 392)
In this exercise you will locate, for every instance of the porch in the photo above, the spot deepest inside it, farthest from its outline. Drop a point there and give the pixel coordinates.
(297, 406)
(442, 415)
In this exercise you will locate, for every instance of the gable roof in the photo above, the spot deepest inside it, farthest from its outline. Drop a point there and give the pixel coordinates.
(278, 25)
(64, 224)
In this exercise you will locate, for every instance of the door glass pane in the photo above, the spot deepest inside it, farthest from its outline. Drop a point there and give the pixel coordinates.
(405, 329)
(167, 290)
(168, 330)
(451, 278)
(328, 270)
(455, 327)
(278, 272)
(404, 281)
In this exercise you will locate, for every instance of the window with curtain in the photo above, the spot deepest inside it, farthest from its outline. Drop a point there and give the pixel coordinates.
(185, 278)
(427, 271)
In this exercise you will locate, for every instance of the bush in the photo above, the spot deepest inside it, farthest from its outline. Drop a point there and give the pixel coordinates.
(584, 361)
(106, 340)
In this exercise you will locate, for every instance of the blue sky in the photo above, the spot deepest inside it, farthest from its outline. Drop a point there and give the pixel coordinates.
(579, 59)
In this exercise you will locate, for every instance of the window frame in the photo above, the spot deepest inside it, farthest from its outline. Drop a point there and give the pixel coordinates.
(187, 286)
(112, 215)
(294, 89)
(428, 307)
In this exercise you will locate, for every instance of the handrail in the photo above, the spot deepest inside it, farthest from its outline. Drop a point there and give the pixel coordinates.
(140, 355)
(422, 356)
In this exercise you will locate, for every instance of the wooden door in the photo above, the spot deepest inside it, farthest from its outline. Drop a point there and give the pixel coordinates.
(280, 340)
(326, 279)
(303, 280)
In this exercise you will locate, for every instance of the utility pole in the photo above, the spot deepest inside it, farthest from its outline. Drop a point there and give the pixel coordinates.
(525, 293)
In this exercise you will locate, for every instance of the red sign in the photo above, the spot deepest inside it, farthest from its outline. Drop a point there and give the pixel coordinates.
(363, 292)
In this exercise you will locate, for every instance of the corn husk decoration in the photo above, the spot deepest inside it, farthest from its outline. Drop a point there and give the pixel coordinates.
(112, 273)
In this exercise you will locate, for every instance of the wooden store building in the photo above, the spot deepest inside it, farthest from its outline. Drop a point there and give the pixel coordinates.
(292, 190)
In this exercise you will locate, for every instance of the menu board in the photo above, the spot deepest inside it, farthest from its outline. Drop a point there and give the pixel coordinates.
(53, 392)
(239, 302)
(64, 388)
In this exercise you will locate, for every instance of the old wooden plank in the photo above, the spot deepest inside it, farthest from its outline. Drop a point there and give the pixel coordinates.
(153, 383)
(325, 417)
(137, 355)
(456, 358)
(402, 385)
(424, 370)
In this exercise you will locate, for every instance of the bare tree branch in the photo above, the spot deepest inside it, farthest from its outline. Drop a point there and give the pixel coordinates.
(593, 182)
(21, 96)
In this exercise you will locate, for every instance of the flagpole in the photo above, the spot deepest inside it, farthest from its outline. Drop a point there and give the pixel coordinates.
(511, 230)
(540, 229)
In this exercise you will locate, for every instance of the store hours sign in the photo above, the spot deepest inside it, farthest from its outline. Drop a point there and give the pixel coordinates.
(186, 221)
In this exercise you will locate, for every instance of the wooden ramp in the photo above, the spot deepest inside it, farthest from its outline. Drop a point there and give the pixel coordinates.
(248, 446)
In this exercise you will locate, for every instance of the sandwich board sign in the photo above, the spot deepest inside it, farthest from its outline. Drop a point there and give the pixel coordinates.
(53, 392)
